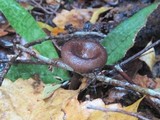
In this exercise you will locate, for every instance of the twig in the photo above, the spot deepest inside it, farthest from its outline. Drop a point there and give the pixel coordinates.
(66, 37)
(82, 33)
(37, 41)
(35, 62)
(38, 5)
(123, 74)
(57, 63)
(139, 53)
(117, 110)
(7, 67)
(130, 59)
(127, 85)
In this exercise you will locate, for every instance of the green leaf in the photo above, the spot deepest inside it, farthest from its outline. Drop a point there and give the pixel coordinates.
(119, 40)
(49, 90)
(27, 27)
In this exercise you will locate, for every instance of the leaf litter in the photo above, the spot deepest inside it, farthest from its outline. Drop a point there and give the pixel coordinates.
(61, 104)
(21, 100)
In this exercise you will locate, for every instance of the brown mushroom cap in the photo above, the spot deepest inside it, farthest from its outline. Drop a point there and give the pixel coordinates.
(84, 55)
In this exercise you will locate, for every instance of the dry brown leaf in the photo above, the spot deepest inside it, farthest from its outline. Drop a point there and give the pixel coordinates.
(5, 29)
(144, 81)
(3, 33)
(76, 17)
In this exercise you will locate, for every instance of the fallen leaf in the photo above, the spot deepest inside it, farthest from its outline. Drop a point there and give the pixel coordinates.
(80, 110)
(20, 100)
(120, 116)
(5, 28)
(49, 90)
(74, 110)
(54, 30)
(76, 17)
(144, 81)
(44, 25)
(3, 33)
(57, 101)
(149, 57)
(97, 12)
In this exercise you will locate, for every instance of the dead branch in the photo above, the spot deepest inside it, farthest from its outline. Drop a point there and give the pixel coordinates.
(117, 110)
(127, 85)
(57, 63)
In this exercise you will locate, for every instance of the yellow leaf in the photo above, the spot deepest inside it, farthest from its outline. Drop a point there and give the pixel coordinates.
(120, 116)
(75, 110)
(149, 57)
(97, 12)
(21, 100)
(44, 25)
(54, 30)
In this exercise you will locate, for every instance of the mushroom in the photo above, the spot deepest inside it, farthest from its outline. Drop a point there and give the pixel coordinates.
(84, 56)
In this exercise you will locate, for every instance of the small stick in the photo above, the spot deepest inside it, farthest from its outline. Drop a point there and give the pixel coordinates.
(127, 85)
(38, 5)
(139, 53)
(130, 59)
(117, 110)
(57, 63)
(37, 62)
(7, 67)
(123, 74)
(63, 37)
(37, 42)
